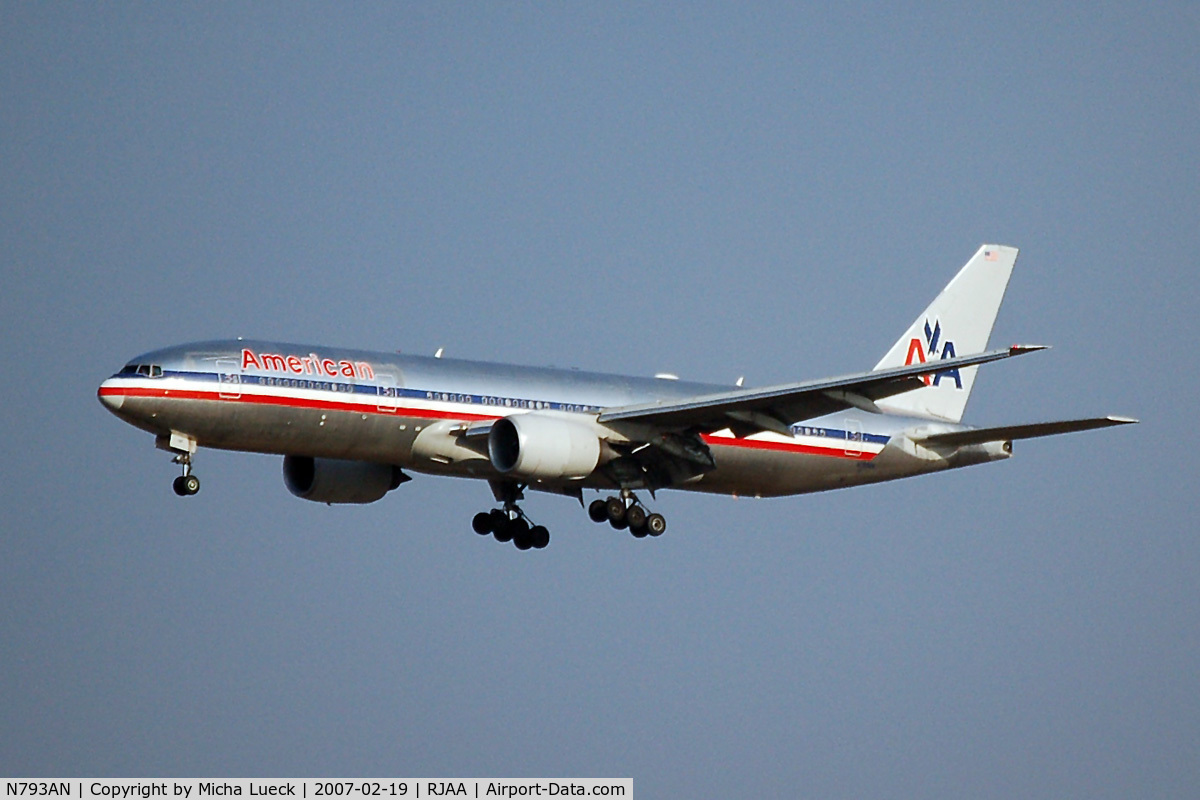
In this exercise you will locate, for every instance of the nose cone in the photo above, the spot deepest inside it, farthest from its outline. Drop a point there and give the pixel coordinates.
(110, 395)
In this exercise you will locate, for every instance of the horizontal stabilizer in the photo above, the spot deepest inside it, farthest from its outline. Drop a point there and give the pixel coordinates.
(1011, 432)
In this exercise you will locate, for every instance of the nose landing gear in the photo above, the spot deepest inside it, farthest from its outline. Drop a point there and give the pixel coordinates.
(626, 511)
(186, 484)
(183, 446)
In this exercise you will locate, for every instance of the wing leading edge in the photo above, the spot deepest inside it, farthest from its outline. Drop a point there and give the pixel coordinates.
(776, 408)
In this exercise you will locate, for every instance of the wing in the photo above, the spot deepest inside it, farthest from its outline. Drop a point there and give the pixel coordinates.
(1010, 432)
(776, 408)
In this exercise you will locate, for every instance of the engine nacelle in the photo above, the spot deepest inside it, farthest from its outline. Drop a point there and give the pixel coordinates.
(332, 480)
(540, 446)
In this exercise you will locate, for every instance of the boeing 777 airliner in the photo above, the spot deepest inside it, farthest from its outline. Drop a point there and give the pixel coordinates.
(348, 422)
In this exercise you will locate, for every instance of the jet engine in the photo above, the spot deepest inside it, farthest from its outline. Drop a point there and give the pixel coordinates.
(332, 480)
(539, 447)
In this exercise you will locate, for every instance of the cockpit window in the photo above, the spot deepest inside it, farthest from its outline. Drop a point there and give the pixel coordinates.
(145, 370)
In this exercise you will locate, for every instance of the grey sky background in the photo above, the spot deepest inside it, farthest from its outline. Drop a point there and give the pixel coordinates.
(711, 190)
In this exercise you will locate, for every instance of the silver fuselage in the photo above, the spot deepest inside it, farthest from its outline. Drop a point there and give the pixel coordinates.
(271, 397)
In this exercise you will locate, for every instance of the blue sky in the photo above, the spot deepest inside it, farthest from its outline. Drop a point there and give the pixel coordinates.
(710, 190)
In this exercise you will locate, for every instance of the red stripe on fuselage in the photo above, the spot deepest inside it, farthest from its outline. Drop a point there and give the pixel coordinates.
(787, 447)
(293, 402)
(428, 413)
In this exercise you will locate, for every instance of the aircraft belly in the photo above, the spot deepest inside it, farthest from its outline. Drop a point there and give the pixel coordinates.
(743, 471)
(228, 424)
(765, 473)
(284, 430)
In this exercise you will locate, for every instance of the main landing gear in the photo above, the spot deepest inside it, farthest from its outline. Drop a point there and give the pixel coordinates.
(510, 524)
(626, 511)
(186, 484)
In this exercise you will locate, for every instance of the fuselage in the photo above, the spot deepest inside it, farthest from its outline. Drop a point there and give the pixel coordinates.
(406, 410)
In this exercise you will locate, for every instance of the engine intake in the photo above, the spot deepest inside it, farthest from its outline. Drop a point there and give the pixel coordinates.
(332, 480)
(543, 447)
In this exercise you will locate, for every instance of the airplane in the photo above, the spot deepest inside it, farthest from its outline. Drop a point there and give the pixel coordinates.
(348, 423)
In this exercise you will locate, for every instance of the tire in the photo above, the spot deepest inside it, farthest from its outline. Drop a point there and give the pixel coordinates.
(656, 524)
(520, 533)
(539, 536)
(191, 484)
(505, 532)
(636, 516)
(177, 486)
(598, 511)
(481, 523)
(615, 508)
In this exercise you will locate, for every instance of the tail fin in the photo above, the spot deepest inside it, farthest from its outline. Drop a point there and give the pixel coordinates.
(957, 323)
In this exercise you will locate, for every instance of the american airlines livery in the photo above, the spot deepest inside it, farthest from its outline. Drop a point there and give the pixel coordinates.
(348, 423)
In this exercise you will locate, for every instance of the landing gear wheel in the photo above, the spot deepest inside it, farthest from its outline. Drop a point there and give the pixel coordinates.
(520, 533)
(539, 536)
(598, 511)
(481, 523)
(636, 517)
(186, 485)
(656, 524)
(615, 508)
(505, 532)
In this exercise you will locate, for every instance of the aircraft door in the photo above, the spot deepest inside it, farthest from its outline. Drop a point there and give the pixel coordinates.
(854, 437)
(389, 393)
(229, 378)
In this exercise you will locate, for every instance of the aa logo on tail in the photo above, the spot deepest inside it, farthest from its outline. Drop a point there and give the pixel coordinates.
(919, 352)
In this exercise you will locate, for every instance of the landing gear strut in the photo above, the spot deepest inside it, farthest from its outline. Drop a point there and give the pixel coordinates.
(626, 511)
(509, 524)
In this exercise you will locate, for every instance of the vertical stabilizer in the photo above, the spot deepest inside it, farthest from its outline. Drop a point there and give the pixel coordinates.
(957, 323)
